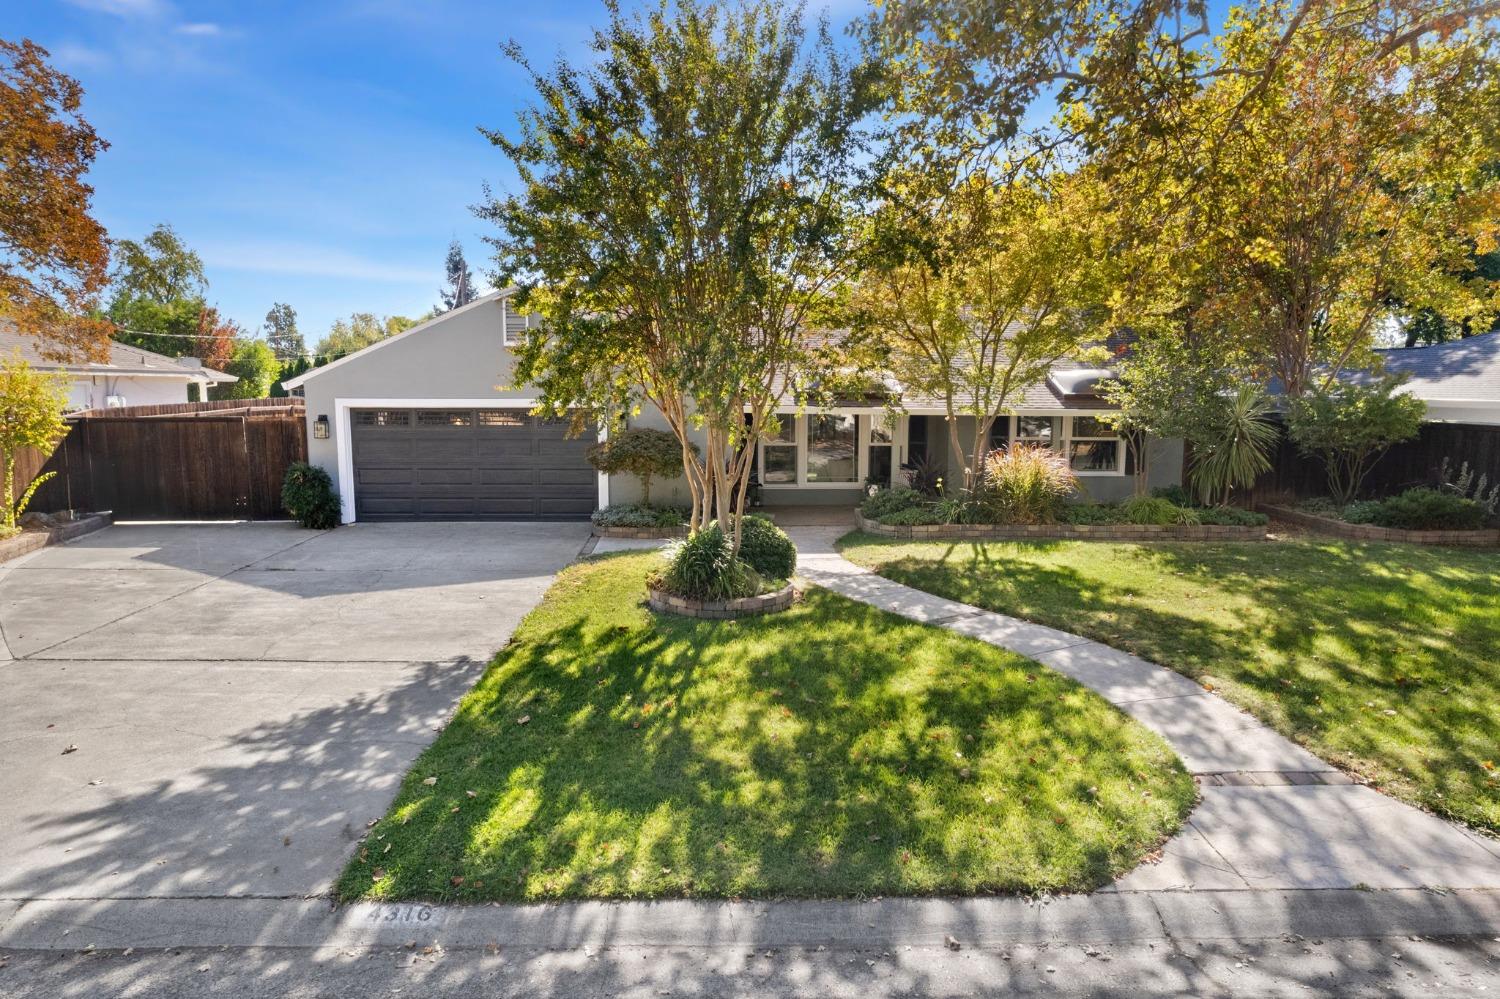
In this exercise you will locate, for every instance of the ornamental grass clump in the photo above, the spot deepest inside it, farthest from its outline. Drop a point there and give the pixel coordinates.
(1026, 484)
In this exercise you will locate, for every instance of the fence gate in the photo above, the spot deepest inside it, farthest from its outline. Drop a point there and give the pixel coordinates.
(210, 461)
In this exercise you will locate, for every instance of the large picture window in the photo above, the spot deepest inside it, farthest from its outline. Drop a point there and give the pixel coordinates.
(831, 452)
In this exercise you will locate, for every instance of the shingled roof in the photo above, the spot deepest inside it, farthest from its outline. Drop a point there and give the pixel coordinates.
(123, 360)
(1459, 370)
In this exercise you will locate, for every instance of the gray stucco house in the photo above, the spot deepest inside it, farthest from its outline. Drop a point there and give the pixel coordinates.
(425, 425)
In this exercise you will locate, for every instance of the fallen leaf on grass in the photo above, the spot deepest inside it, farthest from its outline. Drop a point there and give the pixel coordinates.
(429, 781)
(523, 719)
(471, 794)
(377, 874)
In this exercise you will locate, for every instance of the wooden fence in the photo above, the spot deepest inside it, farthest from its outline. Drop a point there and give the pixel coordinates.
(1413, 463)
(201, 461)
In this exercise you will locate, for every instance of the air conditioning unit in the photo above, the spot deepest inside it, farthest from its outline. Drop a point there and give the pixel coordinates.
(114, 402)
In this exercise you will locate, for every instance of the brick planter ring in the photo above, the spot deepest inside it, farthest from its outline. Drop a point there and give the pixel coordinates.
(1369, 532)
(722, 610)
(642, 533)
(1069, 532)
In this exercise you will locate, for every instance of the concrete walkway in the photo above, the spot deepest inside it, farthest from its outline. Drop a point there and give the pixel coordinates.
(1272, 815)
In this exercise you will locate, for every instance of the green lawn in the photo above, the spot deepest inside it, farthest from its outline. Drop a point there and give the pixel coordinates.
(832, 750)
(1384, 659)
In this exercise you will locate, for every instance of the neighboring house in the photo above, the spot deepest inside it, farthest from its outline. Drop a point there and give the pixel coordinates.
(1459, 380)
(131, 376)
(422, 426)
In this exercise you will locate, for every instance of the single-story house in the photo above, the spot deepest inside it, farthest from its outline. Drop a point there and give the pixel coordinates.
(131, 376)
(1459, 380)
(425, 425)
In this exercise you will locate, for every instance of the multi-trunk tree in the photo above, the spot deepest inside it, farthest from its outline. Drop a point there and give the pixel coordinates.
(684, 212)
(975, 289)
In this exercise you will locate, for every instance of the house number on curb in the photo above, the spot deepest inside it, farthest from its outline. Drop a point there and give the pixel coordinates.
(402, 914)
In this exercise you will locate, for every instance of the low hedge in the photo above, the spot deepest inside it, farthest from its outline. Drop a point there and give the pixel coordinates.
(639, 515)
(1418, 509)
(908, 508)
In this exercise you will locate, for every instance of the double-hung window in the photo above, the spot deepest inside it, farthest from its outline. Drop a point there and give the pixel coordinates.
(1093, 446)
(779, 455)
(1037, 430)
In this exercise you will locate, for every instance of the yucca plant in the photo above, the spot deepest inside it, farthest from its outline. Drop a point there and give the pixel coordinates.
(1230, 450)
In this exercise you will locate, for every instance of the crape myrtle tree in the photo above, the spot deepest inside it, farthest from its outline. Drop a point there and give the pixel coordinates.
(684, 213)
(975, 288)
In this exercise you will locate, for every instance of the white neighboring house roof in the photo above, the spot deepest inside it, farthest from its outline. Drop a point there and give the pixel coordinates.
(307, 376)
(124, 359)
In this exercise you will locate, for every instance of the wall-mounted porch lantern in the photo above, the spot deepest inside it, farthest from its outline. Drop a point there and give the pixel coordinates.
(320, 428)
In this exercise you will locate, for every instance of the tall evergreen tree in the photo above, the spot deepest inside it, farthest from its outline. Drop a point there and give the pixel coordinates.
(282, 334)
(460, 289)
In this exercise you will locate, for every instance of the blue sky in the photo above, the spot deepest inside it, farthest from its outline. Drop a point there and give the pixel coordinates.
(316, 153)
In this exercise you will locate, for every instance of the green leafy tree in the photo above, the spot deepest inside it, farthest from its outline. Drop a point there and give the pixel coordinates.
(976, 291)
(684, 210)
(1287, 174)
(641, 451)
(31, 416)
(254, 363)
(160, 268)
(289, 370)
(1350, 424)
(158, 302)
(359, 331)
(1170, 385)
(460, 289)
(281, 333)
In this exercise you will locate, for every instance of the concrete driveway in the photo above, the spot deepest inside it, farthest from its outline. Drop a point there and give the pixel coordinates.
(243, 698)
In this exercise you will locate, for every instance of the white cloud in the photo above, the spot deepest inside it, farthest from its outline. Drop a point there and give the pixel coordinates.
(124, 8)
(201, 29)
(70, 55)
(311, 261)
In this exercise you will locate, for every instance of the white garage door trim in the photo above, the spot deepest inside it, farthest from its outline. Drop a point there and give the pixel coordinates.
(345, 442)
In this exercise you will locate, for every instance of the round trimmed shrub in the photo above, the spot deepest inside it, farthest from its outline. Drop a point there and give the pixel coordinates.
(766, 548)
(308, 495)
(704, 567)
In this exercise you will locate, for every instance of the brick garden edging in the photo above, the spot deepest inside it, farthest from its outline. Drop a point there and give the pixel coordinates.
(764, 603)
(1370, 532)
(1066, 532)
(32, 539)
(642, 533)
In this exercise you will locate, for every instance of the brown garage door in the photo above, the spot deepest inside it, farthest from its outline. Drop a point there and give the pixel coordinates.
(468, 464)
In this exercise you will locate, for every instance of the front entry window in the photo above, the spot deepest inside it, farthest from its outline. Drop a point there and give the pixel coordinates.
(779, 456)
(831, 450)
(882, 445)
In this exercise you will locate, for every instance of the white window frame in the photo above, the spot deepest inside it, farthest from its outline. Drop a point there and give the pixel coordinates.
(1063, 440)
(863, 422)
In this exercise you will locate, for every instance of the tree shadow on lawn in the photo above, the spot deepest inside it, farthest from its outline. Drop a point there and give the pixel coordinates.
(1379, 657)
(832, 750)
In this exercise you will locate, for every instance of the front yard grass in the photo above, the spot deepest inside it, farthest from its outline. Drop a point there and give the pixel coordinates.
(831, 750)
(1381, 658)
